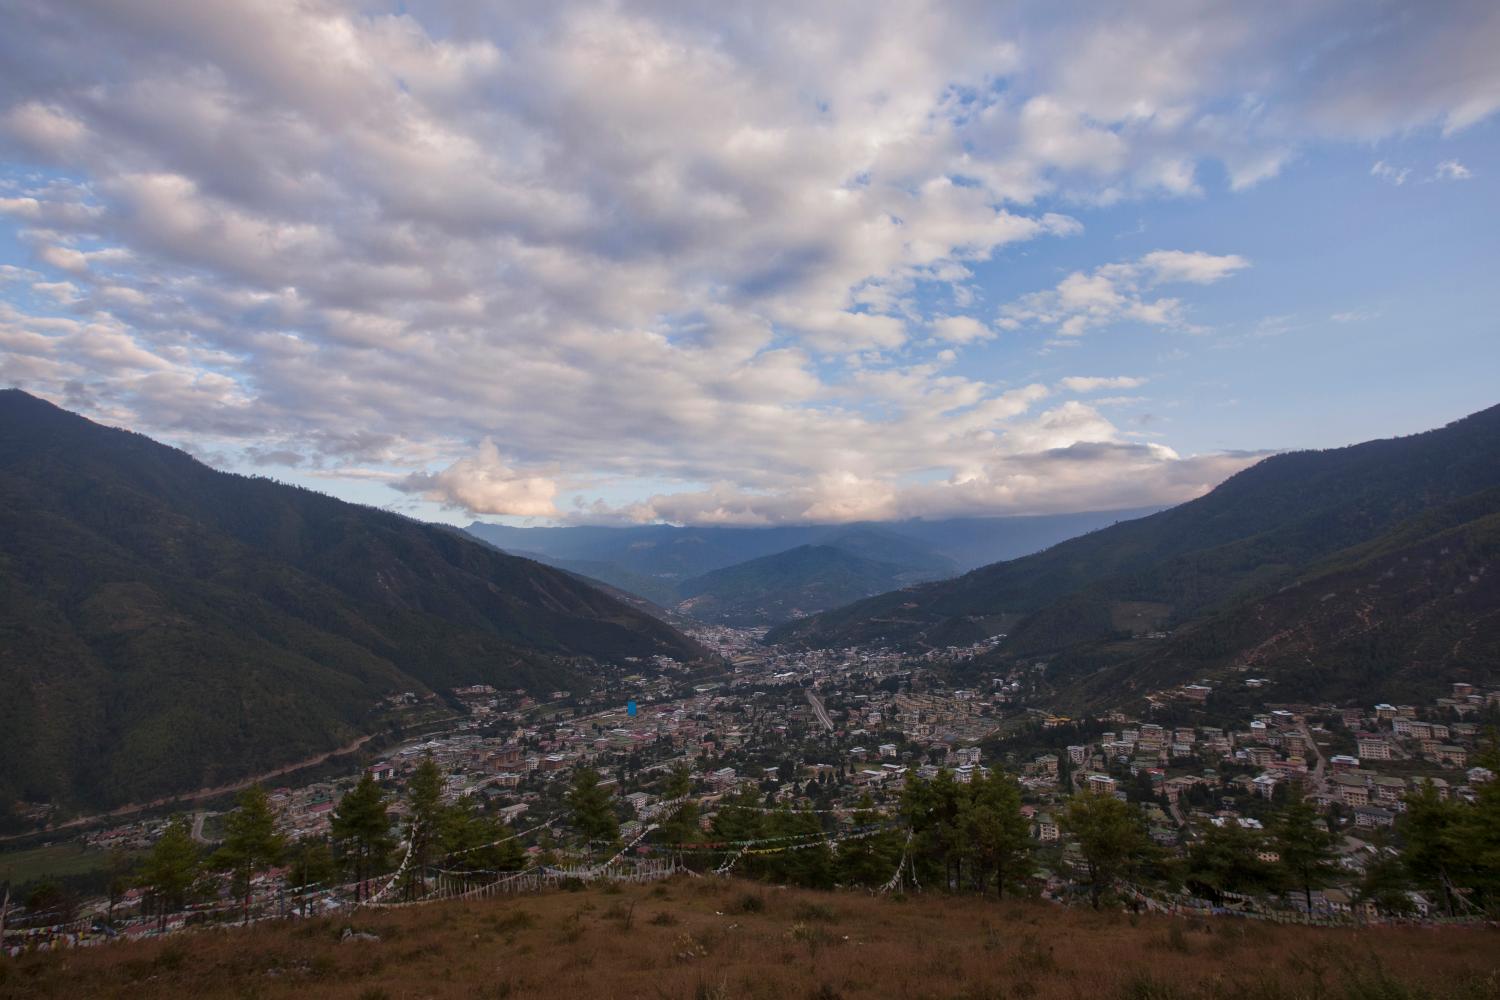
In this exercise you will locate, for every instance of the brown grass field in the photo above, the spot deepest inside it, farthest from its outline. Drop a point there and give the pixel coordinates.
(696, 939)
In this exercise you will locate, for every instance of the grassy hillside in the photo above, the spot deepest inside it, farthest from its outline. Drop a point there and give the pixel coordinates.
(1256, 530)
(164, 626)
(712, 938)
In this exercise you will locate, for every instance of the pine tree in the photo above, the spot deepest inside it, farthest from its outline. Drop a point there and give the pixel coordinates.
(593, 813)
(871, 859)
(251, 843)
(424, 798)
(1477, 838)
(680, 824)
(312, 865)
(171, 868)
(361, 830)
(1111, 836)
(1305, 845)
(932, 810)
(997, 837)
(1227, 859)
(1429, 829)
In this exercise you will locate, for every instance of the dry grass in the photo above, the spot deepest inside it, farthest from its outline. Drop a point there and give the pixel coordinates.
(710, 939)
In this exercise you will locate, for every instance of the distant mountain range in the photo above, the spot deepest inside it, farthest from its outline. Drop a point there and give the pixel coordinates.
(686, 567)
(784, 586)
(164, 626)
(1284, 567)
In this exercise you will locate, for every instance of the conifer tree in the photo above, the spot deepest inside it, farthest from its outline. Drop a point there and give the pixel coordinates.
(1111, 836)
(312, 865)
(1305, 846)
(361, 830)
(997, 837)
(680, 824)
(251, 843)
(1227, 859)
(171, 868)
(593, 813)
(1429, 829)
(424, 799)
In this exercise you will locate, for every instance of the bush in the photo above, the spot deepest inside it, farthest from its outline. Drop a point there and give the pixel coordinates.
(748, 902)
(814, 913)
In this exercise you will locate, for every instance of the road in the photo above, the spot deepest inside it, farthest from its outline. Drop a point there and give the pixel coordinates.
(1312, 744)
(819, 710)
(200, 794)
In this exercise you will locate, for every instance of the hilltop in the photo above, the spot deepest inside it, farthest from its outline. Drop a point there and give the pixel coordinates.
(731, 939)
(165, 626)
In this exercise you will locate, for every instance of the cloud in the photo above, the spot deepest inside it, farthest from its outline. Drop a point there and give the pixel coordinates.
(1086, 383)
(1452, 170)
(1391, 175)
(1168, 266)
(960, 329)
(1115, 293)
(484, 484)
(653, 242)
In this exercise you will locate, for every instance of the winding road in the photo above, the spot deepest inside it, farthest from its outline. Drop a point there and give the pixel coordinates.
(199, 795)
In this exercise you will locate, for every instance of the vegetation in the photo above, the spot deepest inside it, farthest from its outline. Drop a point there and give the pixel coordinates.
(1244, 574)
(1111, 837)
(1305, 846)
(592, 807)
(168, 627)
(171, 869)
(251, 843)
(696, 938)
(361, 829)
(771, 589)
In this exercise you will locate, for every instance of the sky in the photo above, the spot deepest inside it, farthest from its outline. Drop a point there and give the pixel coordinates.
(751, 263)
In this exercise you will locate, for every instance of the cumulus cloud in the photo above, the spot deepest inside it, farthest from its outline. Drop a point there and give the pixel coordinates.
(960, 329)
(1121, 292)
(484, 484)
(727, 244)
(1391, 175)
(1452, 170)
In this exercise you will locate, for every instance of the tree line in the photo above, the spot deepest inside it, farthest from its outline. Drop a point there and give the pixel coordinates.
(942, 834)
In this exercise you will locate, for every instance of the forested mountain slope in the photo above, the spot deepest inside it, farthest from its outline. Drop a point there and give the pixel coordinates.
(165, 626)
(1257, 530)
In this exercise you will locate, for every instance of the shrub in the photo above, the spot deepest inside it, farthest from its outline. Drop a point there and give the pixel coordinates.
(814, 913)
(748, 902)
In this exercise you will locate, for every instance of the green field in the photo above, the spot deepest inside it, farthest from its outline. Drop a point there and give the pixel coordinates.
(53, 861)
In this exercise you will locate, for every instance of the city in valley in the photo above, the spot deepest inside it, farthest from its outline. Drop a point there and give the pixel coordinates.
(841, 748)
(744, 501)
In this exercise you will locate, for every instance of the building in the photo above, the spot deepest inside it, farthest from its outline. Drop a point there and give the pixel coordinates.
(1101, 784)
(1351, 789)
(1371, 817)
(1388, 790)
(1046, 829)
(1451, 756)
(1373, 748)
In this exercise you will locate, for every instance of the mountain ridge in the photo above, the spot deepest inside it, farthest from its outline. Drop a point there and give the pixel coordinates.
(1257, 528)
(166, 626)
